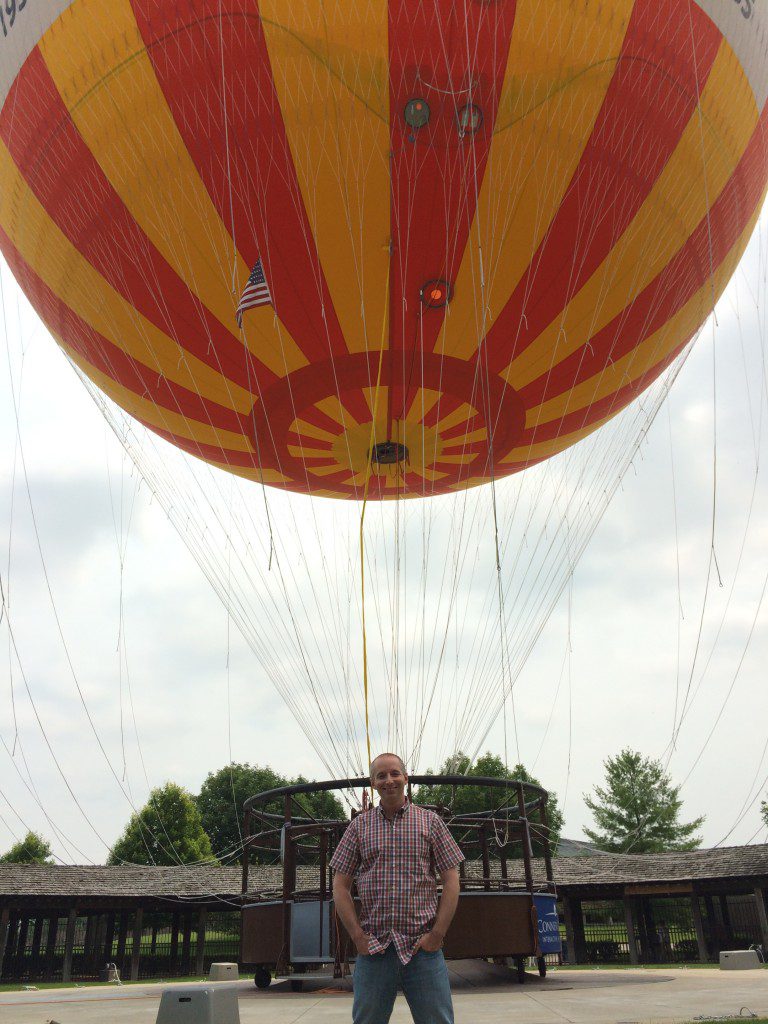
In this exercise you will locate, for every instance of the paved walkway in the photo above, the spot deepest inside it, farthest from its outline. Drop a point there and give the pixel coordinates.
(482, 995)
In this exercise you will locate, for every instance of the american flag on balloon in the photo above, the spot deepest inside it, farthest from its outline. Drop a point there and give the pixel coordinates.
(255, 293)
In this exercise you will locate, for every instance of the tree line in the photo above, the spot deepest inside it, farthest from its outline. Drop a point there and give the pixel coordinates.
(637, 809)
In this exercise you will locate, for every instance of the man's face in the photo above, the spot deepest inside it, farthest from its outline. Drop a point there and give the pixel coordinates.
(389, 779)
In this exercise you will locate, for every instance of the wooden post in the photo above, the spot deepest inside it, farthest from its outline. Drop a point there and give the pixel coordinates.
(50, 946)
(504, 868)
(202, 921)
(485, 858)
(69, 944)
(725, 913)
(122, 935)
(574, 930)
(138, 920)
(109, 939)
(186, 946)
(650, 937)
(698, 924)
(21, 945)
(89, 942)
(174, 967)
(629, 918)
(711, 930)
(5, 916)
(36, 968)
(762, 916)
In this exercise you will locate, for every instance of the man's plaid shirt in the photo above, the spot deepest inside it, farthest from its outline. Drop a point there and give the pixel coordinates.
(394, 864)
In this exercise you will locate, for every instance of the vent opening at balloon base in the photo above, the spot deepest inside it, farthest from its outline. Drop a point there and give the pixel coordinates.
(388, 453)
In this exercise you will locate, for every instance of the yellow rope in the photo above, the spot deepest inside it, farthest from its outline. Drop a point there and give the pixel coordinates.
(362, 516)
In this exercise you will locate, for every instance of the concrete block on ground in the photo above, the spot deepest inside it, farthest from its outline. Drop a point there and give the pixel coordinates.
(739, 960)
(223, 972)
(199, 1006)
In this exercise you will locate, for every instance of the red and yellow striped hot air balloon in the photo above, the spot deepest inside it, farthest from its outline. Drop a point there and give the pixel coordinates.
(484, 225)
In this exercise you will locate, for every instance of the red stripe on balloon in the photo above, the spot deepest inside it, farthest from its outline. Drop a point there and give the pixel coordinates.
(610, 405)
(233, 130)
(209, 452)
(651, 98)
(446, 56)
(70, 185)
(683, 276)
(144, 381)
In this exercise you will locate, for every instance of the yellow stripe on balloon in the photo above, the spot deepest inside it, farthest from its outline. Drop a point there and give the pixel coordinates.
(80, 287)
(462, 414)
(330, 69)
(457, 460)
(544, 449)
(300, 452)
(106, 80)
(648, 353)
(704, 160)
(259, 476)
(423, 402)
(305, 429)
(158, 416)
(559, 68)
(481, 434)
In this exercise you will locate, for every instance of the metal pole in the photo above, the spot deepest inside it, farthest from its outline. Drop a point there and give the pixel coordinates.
(526, 835)
(323, 870)
(246, 848)
(289, 883)
(546, 843)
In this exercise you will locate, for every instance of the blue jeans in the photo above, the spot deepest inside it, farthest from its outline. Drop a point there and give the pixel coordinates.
(424, 980)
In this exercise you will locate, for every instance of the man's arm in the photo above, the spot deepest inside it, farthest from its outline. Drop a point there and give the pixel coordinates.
(446, 909)
(345, 908)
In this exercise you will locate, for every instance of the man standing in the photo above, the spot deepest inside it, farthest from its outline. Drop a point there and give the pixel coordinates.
(392, 852)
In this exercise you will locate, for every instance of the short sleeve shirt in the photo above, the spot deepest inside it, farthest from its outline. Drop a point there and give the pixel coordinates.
(395, 863)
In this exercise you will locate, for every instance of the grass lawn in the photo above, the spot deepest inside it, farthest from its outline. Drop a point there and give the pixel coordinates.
(693, 966)
(41, 985)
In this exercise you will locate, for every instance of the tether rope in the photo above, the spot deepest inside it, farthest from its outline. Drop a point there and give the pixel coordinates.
(362, 515)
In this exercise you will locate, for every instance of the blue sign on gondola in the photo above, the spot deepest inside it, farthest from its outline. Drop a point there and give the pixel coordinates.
(549, 923)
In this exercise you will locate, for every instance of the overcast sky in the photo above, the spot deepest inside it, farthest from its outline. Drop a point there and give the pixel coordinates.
(93, 713)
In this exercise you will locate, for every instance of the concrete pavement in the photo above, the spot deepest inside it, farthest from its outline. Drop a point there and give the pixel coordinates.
(483, 994)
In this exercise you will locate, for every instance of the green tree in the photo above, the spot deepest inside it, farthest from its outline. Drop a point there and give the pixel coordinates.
(638, 810)
(224, 792)
(323, 806)
(32, 849)
(221, 800)
(465, 799)
(167, 830)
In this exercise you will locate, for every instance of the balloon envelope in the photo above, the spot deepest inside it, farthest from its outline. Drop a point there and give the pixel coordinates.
(484, 227)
